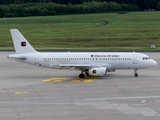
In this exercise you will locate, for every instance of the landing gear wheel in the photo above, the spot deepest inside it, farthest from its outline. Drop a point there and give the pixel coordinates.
(135, 72)
(135, 75)
(81, 75)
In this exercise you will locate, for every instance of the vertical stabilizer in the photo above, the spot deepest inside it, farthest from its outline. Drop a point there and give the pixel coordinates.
(21, 45)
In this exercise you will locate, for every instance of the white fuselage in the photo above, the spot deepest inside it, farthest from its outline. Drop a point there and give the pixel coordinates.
(110, 60)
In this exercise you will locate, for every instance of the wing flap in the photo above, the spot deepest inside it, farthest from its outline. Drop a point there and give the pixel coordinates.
(70, 66)
(74, 65)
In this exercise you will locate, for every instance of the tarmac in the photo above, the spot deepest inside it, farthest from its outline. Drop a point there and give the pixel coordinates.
(34, 93)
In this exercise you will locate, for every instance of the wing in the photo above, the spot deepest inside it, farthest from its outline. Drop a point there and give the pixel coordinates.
(80, 66)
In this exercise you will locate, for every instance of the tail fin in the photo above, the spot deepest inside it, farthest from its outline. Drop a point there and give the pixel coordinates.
(21, 45)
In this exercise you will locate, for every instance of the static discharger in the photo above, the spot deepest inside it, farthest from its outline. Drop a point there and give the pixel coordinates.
(54, 80)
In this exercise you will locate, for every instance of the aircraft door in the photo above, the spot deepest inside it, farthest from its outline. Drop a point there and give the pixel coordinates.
(36, 59)
(134, 59)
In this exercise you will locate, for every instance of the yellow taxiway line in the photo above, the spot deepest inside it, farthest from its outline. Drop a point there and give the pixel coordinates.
(25, 92)
(63, 79)
(54, 80)
(85, 80)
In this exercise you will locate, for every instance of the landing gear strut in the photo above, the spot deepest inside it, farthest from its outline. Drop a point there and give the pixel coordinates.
(135, 72)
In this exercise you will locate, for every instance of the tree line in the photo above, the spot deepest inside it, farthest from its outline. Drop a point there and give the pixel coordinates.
(141, 4)
(44, 9)
(22, 8)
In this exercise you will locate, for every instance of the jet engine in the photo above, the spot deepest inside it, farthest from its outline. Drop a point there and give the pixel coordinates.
(102, 71)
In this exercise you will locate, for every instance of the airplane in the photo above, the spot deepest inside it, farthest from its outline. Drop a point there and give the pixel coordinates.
(89, 63)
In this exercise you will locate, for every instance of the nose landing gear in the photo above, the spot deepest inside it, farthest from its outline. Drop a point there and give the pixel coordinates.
(135, 72)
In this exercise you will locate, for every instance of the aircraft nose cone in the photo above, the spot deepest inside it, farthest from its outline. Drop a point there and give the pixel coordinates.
(154, 63)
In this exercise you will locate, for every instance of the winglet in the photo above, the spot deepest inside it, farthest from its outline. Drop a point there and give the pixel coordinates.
(21, 45)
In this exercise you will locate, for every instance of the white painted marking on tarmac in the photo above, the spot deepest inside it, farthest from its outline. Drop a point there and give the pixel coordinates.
(138, 104)
(126, 109)
(154, 101)
(109, 110)
(117, 98)
(143, 101)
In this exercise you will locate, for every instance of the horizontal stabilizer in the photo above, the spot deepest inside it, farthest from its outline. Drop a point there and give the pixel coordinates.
(17, 56)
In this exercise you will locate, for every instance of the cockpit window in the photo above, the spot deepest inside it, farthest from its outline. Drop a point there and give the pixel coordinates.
(146, 58)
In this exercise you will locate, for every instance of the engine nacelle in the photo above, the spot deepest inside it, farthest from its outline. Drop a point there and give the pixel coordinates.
(102, 71)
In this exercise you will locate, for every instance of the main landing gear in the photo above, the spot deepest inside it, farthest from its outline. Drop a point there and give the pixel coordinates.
(135, 72)
(81, 75)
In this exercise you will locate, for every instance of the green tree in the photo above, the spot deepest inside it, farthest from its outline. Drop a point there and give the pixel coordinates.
(158, 6)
